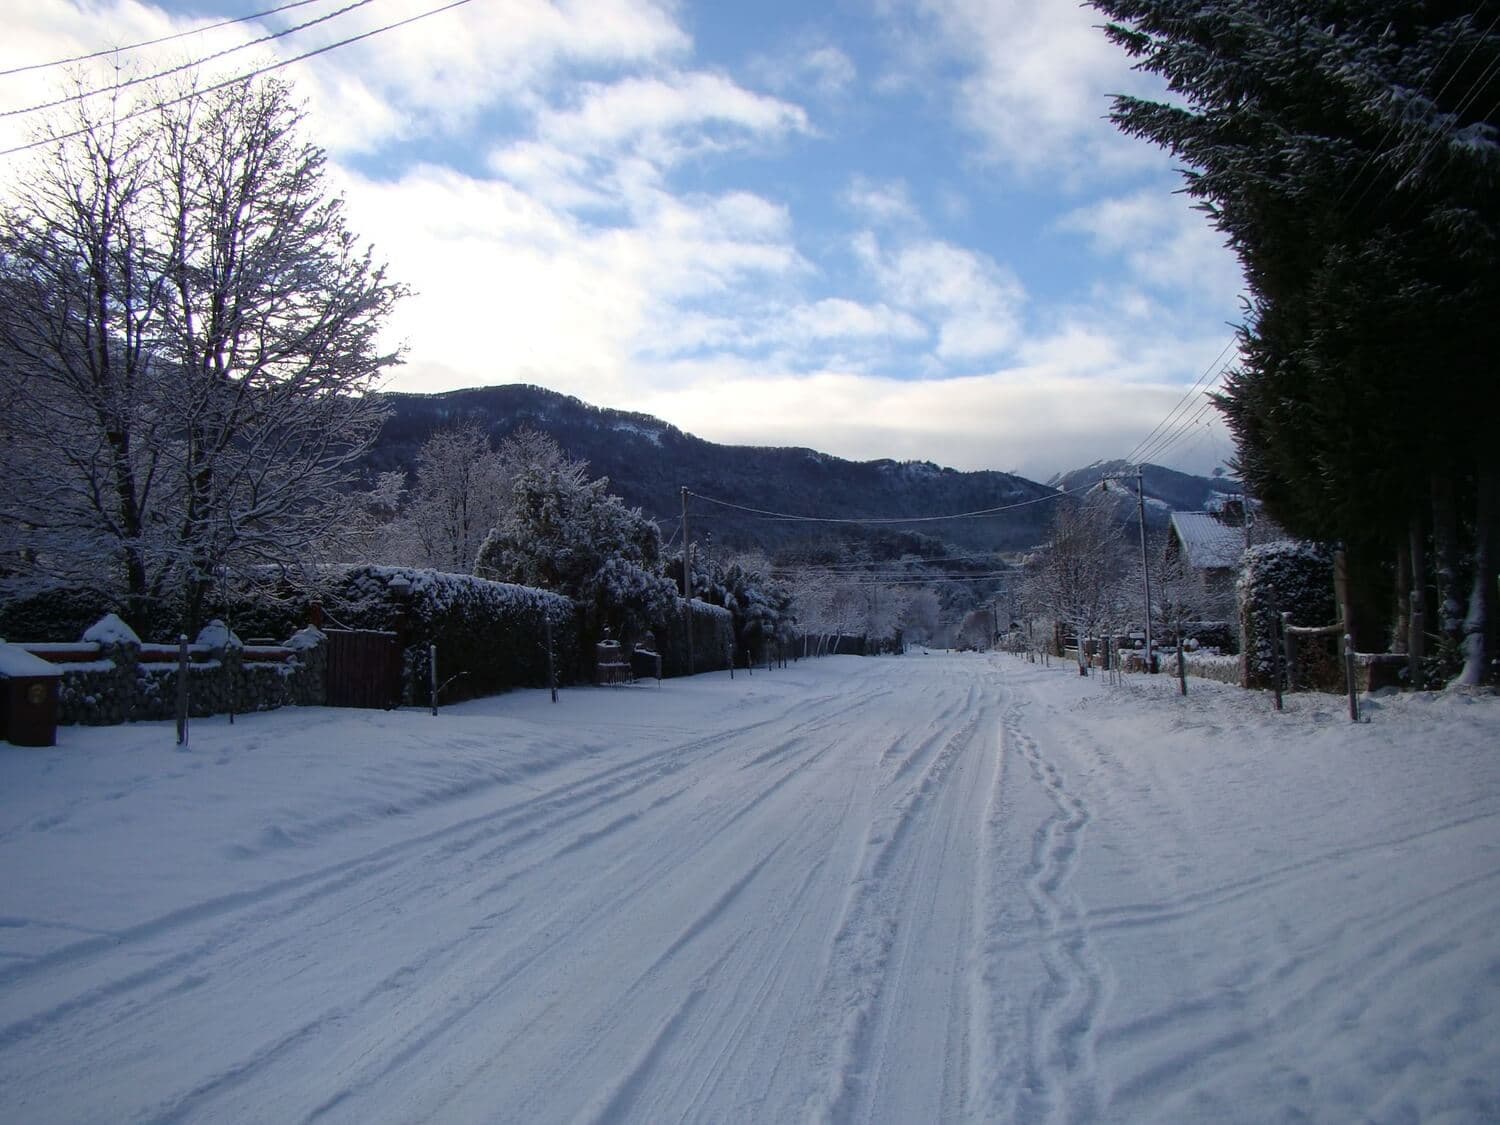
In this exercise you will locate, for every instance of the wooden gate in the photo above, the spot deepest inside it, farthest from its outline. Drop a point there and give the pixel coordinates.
(364, 668)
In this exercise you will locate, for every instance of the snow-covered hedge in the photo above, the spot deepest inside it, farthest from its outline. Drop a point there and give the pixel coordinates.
(713, 638)
(490, 636)
(1225, 669)
(32, 612)
(1288, 577)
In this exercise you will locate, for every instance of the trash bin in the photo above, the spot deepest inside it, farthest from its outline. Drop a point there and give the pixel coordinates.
(28, 698)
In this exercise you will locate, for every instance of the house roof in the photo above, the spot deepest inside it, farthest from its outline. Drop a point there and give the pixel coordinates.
(1207, 543)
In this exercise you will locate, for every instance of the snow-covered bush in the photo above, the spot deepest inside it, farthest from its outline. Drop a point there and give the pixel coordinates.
(33, 612)
(562, 531)
(490, 636)
(760, 608)
(713, 638)
(1288, 577)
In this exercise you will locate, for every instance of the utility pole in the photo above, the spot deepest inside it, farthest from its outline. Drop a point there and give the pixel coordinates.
(1140, 498)
(687, 546)
(687, 579)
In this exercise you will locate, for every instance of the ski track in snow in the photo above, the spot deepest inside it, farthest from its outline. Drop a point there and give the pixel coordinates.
(929, 889)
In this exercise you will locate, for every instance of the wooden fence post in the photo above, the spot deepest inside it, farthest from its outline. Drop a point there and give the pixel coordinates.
(1276, 648)
(432, 674)
(1289, 647)
(182, 689)
(1181, 666)
(1349, 677)
(551, 662)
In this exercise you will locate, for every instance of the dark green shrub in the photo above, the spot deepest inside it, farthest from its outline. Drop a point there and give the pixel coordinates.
(713, 638)
(1295, 578)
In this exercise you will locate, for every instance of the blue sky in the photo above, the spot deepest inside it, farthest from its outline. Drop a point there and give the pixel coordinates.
(899, 228)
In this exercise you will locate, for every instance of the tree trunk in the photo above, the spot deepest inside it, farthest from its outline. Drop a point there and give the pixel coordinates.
(1476, 642)
(1402, 631)
(1445, 550)
(1416, 642)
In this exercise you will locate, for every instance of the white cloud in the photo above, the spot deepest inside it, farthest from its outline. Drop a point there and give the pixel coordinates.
(820, 70)
(441, 72)
(510, 288)
(1032, 420)
(434, 74)
(882, 202)
(836, 318)
(1036, 84)
(1165, 243)
(664, 118)
(974, 301)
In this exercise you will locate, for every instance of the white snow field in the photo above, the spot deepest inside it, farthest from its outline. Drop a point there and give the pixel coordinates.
(906, 889)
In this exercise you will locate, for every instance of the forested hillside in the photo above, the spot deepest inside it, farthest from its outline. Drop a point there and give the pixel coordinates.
(648, 462)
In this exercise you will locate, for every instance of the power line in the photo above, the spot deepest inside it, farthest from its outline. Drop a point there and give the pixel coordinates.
(1136, 454)
(180, 67)
(871, 520)
(914, 579)
(247, 76)
(1395, 126)
(1188, 426)
(1481, 83)
(860, 568)
(157, 42)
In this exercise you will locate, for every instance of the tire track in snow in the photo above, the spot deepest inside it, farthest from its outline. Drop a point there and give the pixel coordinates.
(234, 921)
(435, 1018)
(869, 960)
(629, 882)
(1058, 1074)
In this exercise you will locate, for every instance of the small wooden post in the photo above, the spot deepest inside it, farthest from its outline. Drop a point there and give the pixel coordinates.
(182, 689)
(1416, 642)
(1289, 648)
(1349, 677)
(1181, 666)
(1341, 590)
(432, 674)
(551, 661)
(1417, 638)
(1278, 666)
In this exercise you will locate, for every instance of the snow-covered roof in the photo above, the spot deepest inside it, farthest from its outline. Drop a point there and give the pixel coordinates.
(1208, 543)
(16, 661)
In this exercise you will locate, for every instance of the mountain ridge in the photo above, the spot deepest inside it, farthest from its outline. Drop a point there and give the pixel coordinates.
(649, 461)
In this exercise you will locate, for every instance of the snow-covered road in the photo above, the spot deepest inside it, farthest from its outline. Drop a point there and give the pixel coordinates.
(937, 887)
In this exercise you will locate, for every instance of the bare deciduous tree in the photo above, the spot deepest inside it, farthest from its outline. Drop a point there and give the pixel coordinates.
(1075, 579)
(461, 492)
(190, 342)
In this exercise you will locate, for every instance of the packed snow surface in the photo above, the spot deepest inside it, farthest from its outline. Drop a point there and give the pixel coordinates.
(905, 889)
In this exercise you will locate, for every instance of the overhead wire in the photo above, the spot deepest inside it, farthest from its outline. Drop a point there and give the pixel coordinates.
(116, 87)
(1188, 426)
(1375, 154)
(881, 520)
(158, 41)
(242, 78)
(1137, 455)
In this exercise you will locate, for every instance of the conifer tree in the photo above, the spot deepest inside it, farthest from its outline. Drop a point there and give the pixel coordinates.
(1350, 155)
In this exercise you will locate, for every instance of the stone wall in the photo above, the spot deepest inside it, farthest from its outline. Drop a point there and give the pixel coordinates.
(111, 677)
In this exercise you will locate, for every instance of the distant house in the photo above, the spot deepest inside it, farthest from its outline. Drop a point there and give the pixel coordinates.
(1210, 546)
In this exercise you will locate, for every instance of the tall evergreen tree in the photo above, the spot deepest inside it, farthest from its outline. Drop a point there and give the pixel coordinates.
(1349, 153)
